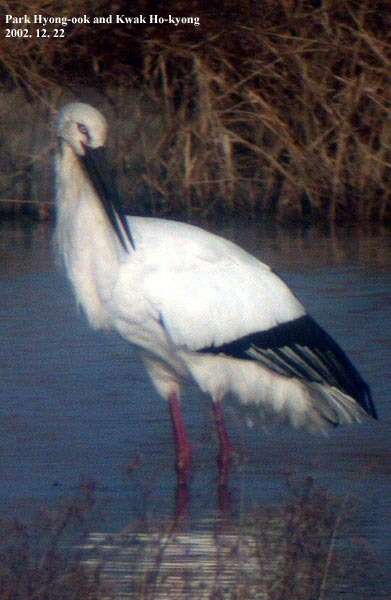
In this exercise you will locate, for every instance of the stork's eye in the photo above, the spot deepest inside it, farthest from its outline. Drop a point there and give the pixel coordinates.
(82, 128)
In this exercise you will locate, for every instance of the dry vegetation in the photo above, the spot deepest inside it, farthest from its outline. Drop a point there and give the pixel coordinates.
(35, 564)
(300, 551)
(281, 109)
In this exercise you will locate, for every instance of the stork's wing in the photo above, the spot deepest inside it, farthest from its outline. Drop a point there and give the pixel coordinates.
(243, 310)
(208, 303)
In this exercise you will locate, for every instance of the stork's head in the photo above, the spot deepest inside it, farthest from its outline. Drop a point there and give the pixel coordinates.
(84, 129)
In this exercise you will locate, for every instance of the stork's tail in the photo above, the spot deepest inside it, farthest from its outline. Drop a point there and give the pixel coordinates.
(302, 374)
(261, 396)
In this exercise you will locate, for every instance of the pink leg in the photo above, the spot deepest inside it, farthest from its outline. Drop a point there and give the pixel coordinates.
(182, 444)
(226, 448)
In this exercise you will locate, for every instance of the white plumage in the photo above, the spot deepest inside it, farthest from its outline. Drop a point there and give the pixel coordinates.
(197, 306)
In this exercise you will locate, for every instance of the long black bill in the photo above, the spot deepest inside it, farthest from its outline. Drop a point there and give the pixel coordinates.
(104, 182)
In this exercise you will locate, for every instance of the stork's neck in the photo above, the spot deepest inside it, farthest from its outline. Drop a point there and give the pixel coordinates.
(81, 221)
(70, 180)
(84, 237)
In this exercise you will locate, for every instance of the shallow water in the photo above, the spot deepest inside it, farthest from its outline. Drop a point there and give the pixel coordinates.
(76, 407)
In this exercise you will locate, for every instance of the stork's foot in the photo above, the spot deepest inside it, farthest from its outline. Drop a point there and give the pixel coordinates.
(224, 499)
(182, 501)
(182, 444)
(224, 462)
(227, 450)
(183, 466)
(226, 457)
(183, 469)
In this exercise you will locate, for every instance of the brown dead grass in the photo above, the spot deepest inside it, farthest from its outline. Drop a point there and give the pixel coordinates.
(34, 561)
(281, 110)
(301, 550)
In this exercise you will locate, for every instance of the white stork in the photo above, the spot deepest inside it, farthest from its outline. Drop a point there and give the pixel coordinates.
(196, 306)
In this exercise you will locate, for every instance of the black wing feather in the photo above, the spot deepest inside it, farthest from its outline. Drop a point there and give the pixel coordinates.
(301, 348)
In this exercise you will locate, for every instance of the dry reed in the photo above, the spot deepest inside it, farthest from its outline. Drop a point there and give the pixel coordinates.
(302, 550)
(279, 109)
